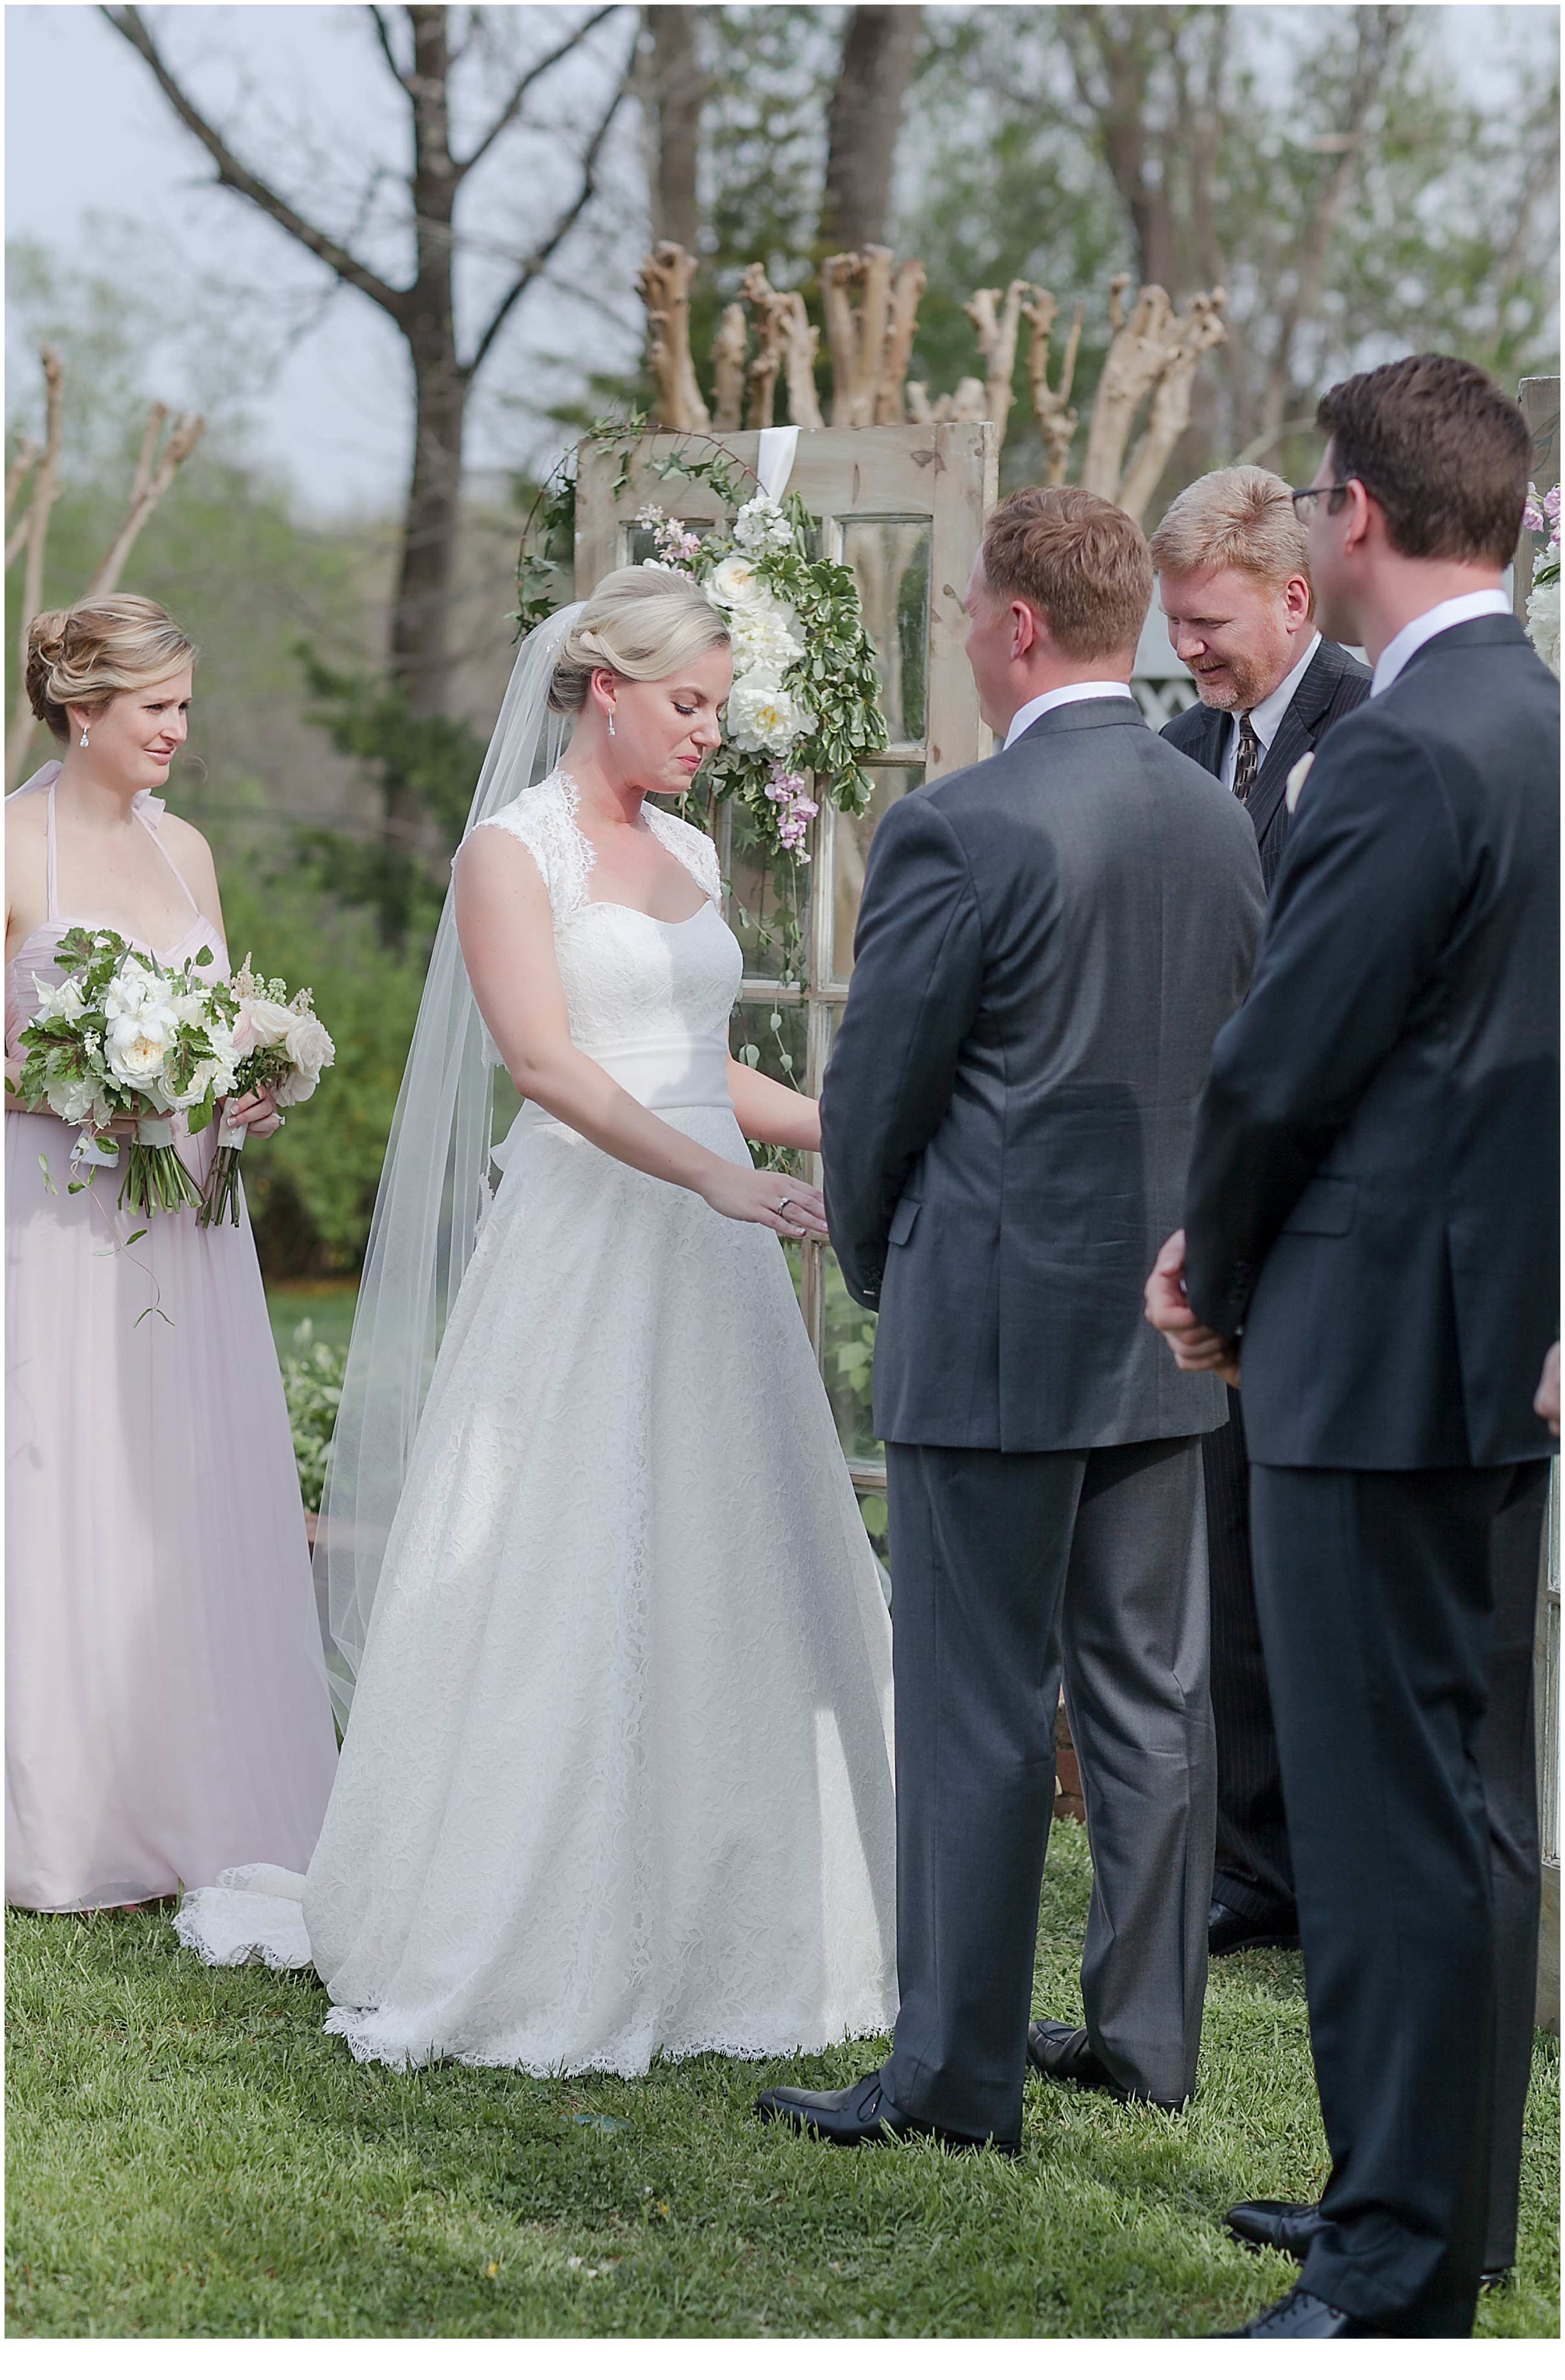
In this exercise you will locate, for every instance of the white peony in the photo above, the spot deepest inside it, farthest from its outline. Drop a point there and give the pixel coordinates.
(767, 636)
(735, 583)
(141, 1024)
(762, 526)
(764, 717)
(80, 1103)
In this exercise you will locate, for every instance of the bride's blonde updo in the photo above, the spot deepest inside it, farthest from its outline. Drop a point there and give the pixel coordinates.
(108, 646)
(638, 623)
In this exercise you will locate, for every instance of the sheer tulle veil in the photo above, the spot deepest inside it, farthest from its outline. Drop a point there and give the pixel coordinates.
(427, 1208)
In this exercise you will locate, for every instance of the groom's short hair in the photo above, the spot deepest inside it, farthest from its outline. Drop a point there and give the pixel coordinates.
(1078, 560)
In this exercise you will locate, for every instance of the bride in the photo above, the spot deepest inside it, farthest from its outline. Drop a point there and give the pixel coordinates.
(617, 1781)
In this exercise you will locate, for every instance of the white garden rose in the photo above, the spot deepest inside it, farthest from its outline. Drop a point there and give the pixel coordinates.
(764, 717)
(192, 1009)
(735, 584)
(311, 1048)
(81, 1102)
(767, 636)
(269, 1023)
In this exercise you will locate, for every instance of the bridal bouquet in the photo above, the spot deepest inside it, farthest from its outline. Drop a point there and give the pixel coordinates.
(120, 1036)
(280, 1045)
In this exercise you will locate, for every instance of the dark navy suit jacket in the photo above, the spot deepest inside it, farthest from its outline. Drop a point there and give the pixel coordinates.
(1046, 945)
(1374, 1187)
(1333, 685)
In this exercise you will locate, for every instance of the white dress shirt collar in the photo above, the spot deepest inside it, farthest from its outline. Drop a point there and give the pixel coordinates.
(1093, 690)
(1488, 600)
(1266, 717)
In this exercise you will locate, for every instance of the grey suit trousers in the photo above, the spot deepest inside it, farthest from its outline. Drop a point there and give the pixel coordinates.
(1009, 1567)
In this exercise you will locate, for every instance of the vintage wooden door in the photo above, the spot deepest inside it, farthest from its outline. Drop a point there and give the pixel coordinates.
(904, 509)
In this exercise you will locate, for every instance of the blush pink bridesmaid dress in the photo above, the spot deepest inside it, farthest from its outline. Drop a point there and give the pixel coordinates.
(166, 1712)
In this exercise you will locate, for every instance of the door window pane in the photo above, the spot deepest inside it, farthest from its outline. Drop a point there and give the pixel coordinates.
(768, 904)
(772, 1038)
(890, 561)
(853, 836)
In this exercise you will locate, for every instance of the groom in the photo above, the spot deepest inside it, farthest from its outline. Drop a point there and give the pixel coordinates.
(1046, 945)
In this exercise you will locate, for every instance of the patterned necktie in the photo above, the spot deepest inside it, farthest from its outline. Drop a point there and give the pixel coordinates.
(1248, 760)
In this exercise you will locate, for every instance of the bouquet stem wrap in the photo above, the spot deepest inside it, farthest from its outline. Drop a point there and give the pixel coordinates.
(221, 1190)
(155, 1180)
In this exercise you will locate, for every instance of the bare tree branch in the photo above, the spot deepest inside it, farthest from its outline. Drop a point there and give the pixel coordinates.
(541, 256)
(508, 113)
(148, 491)
(45, 489)
(383, 32)
(232, 176)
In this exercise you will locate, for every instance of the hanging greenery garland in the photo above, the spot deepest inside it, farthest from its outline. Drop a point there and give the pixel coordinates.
(804, 714)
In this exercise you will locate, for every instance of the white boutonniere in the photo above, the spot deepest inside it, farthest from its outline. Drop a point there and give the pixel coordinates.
(1296, 776)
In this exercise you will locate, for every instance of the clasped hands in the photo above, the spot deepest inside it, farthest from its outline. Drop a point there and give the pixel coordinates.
(1196, 1349)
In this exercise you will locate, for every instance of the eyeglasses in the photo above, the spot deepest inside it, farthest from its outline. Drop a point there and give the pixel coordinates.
(1305, 499)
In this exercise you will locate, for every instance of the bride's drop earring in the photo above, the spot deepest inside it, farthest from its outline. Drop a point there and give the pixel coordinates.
(611, 724)
(83, 744)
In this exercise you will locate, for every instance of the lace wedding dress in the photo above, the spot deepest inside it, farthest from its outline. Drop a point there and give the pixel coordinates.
(617, 1780)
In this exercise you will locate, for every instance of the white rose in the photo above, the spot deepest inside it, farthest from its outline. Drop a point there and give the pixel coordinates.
(735, 583)
(310, 1046)
(203, 1078)
(75, 1102)
(270, 1023)
(190, 1008)
(764, 717)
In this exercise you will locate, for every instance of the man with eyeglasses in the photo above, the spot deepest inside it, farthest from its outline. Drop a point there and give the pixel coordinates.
(1372, 1231)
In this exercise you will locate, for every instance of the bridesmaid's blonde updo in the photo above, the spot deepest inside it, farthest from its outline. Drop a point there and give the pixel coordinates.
(640, 623)
(110, 645)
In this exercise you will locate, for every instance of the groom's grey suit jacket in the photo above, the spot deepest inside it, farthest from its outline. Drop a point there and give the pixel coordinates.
(1047, 944)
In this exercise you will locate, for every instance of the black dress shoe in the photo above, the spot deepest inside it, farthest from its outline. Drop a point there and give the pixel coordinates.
(1299, 2316)
(1289, 2227)
(1228, 1930)
(1063, 2054)
(862, 2117)
(1274, 2223)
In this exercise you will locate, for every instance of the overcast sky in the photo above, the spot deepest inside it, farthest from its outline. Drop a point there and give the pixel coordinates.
(87, 132)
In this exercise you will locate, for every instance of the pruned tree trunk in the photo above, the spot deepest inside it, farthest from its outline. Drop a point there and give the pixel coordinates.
(1055, 415)
(878, 54)
(729, 350)
(1201, 329)
(997, 324)
(1137, 353)
(787, 340)
(871, 318)
(664, 283)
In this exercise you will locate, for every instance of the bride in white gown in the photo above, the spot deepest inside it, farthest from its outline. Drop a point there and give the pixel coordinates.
(617, 1779)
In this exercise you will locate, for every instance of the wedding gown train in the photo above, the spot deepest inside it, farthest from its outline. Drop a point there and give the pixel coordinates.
(617, 1780)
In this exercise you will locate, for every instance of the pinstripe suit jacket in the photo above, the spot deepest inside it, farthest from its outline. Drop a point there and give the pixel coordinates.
(1333, 685)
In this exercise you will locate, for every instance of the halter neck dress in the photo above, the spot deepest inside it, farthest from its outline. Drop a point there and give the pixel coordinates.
(165, 1703)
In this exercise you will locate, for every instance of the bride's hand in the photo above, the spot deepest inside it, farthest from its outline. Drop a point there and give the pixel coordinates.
(791, 1208)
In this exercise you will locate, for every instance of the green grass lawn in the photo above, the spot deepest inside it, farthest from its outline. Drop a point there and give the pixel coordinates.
(190, 2154)
(326, 1305)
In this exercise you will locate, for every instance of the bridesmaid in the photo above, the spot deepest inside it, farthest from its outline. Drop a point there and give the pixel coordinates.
(166, 1713)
